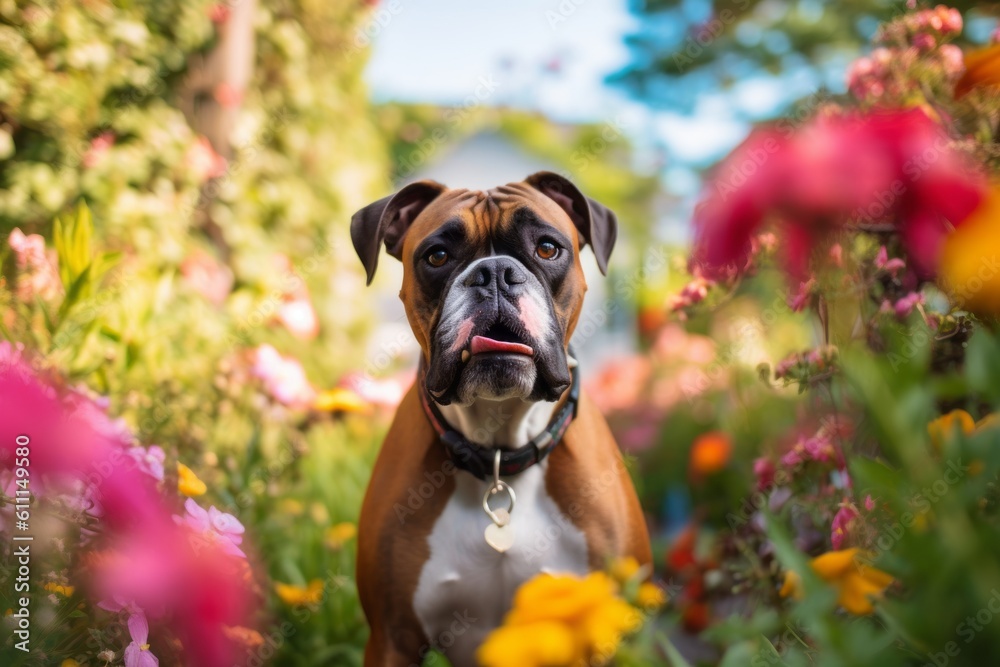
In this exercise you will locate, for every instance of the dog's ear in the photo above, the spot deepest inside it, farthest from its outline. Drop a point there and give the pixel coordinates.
(596, 223)
(387, 220)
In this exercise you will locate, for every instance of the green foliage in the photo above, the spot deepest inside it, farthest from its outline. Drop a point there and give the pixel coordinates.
(713, 45)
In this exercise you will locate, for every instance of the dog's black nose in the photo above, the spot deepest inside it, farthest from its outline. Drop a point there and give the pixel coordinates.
(502, 272)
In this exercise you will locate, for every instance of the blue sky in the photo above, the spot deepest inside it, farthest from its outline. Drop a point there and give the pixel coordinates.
(449, 51)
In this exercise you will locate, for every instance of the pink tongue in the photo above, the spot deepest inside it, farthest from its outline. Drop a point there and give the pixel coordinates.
(484, 344)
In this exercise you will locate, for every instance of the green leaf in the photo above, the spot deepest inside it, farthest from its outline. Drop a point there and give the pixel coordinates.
(74, 293)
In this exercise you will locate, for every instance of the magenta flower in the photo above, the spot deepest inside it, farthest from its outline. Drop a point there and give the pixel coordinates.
(763, 470)
(816, 180)
(841, 525)
(798, 301)
(215, 525)
(152, 561)
(906, 305)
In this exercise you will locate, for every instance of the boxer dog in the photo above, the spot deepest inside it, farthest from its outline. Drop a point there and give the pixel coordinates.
(496, 467)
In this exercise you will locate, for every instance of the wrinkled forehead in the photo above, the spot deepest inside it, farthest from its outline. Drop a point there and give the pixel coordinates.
(484, 215)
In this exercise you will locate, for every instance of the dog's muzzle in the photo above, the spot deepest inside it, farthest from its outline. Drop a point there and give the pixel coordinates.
(497, 337)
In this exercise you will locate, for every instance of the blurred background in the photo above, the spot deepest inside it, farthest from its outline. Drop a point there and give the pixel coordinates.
(220, 149)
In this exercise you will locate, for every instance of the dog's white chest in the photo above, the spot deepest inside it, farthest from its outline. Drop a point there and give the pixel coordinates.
(466, 586)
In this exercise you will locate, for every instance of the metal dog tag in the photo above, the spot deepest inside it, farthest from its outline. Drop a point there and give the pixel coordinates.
(499, 534)
(500, 538)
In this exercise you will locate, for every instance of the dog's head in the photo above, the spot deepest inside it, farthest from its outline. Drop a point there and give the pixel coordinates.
(492, 281)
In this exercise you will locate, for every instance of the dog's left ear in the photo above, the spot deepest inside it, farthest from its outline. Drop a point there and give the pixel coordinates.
(596, 223)
(387, 220)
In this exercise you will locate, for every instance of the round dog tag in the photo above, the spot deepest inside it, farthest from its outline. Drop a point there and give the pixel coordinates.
(500, 538)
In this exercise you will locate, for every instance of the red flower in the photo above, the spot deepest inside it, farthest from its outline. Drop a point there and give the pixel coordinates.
(882, 167)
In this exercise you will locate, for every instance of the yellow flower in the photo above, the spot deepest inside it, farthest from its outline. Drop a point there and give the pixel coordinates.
(967, 255)
(534, 644)
(300, 595)
(65, 591)
(991, 420)
(340, 400)
(339, 534)
(561, 620)
(188, 483)
(944, 426)
(650, 596)
(290, 506)
(623, 569)
(855, 582)
(982, 68)
(792, 586)
(69, 662)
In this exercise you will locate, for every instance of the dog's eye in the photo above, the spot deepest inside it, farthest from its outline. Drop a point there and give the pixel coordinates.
(547, 250)
(437, 257)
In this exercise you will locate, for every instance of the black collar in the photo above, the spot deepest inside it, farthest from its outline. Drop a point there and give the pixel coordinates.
(478, 459)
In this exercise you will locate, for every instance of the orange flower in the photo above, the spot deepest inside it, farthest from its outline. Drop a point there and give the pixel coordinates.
(982, 68)
(310, 594)
(710, 453)
(856, 583)
(966, 264)
(248, 637)
(944, 426)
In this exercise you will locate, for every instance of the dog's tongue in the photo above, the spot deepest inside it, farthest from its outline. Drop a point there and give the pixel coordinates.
(484, 344)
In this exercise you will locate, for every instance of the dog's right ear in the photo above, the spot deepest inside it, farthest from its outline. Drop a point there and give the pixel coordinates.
(387, 220)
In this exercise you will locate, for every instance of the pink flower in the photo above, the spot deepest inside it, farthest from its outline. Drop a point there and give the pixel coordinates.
(836, 170)
(38, 272)
(693, 292)
(203, 161)
(219, 13)
(798, 301)
(149, 460)
(869, 503)
(137, 653)
(923, 41)
(215, 525)
(228, 95)
(952, 59)
(99, 146)
(283, 377)
(763, 470)
(906, 305)
(841, 525)
(387, 392)
(148, 559)
(299, 318)
(881, 258)
(894, 266)
(207, 276)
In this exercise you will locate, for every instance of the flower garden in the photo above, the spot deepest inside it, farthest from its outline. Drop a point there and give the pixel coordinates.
(190, 408)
